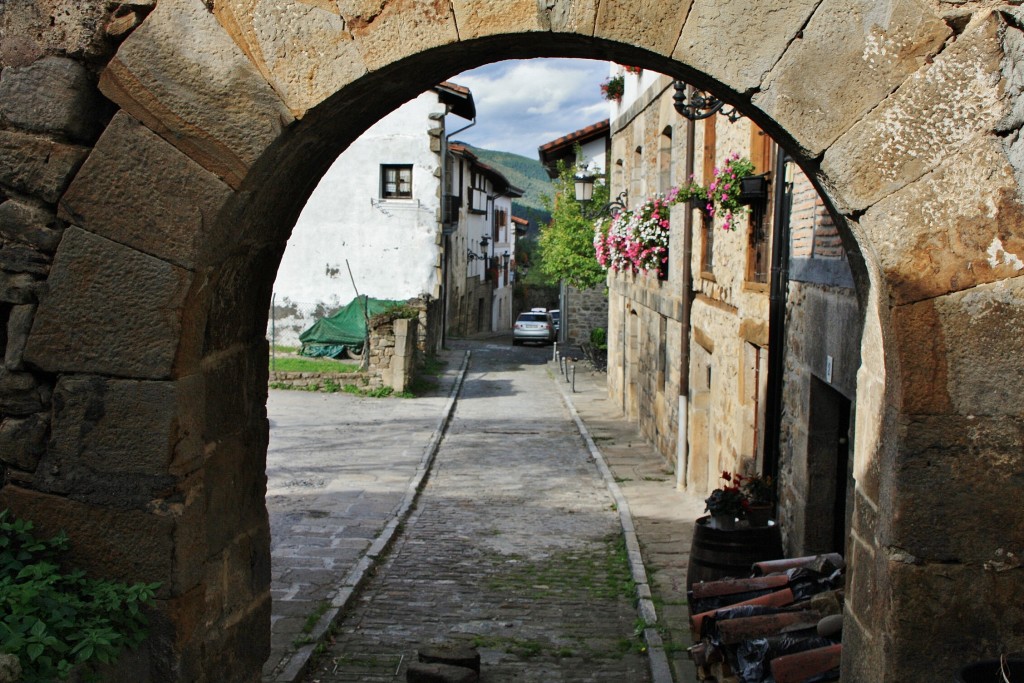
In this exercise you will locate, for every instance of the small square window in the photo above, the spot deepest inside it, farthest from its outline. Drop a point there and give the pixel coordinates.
(396, 181)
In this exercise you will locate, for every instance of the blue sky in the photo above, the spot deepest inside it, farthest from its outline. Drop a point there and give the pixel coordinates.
(521, 104)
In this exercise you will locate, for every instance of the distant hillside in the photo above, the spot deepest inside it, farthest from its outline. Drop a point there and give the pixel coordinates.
(529, 176)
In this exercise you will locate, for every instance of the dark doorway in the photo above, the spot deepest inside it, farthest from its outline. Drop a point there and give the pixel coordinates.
(828, 467)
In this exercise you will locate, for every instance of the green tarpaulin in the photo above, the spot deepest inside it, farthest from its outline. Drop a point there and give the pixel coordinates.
(346, 329)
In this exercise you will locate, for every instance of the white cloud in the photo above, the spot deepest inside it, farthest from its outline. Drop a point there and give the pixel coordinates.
(524, 103)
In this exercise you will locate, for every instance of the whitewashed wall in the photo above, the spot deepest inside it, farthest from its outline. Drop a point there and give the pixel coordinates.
(392, 246)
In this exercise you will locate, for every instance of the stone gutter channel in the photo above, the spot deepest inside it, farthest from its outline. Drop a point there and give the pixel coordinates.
(297, 665)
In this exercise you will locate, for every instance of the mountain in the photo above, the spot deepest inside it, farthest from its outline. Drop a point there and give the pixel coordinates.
(529, 176)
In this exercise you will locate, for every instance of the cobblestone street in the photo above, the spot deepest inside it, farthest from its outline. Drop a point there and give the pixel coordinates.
(514, 547)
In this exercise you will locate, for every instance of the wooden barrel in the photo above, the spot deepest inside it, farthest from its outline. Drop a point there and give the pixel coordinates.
(726, 553)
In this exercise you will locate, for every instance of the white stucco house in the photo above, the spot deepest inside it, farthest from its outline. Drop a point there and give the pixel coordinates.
(481, 246)
(377, 212)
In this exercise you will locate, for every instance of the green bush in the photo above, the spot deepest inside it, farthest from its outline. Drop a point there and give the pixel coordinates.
(55, 619)
(599, 338)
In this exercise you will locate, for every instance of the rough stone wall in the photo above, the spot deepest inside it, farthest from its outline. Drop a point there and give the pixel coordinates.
(823, 329)
(393, 354)
(727, 308)
(465, 316)
(585, 310)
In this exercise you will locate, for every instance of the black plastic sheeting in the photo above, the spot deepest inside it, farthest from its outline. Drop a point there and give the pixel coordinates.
(753, 657)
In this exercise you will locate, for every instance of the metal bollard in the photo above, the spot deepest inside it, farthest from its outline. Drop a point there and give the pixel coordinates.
(574, 378)
(554, 351)
(568, 364)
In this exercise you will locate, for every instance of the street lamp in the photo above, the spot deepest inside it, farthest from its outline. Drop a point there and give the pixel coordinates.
(583, 185)
(484, 241)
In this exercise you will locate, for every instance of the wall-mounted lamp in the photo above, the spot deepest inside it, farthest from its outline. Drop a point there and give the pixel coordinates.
(699, 105)
(583, 185)
(505, 258)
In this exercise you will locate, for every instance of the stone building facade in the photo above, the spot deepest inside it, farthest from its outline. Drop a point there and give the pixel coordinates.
(726, 356)
(480, 244)
(134, 383)
(819, 396)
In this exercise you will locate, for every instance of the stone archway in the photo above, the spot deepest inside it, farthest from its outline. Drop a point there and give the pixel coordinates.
(150, 335)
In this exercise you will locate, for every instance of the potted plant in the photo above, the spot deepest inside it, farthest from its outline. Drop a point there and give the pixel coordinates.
(726, 504)
(758, 492)
(614, 87)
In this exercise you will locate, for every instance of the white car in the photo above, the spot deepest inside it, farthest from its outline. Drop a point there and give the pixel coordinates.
(533, 326)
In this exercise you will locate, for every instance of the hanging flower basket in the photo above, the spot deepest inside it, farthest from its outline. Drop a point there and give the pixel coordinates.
(635, 240)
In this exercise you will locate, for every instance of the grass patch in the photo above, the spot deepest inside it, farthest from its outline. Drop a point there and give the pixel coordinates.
(313, 365)
(314, 617)
(280, 348)
(600, 574)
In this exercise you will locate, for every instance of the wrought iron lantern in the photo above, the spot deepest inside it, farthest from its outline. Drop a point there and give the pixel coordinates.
(583, 184)
(700, 105)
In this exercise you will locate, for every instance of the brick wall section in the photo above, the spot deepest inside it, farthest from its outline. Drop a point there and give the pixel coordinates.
(812, 230)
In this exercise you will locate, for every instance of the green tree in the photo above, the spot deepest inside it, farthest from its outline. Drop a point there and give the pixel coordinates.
(567, 242)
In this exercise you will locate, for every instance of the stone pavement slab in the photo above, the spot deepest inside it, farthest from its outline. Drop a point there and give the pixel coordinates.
(662, 516)
(514, 547)
(342, 473)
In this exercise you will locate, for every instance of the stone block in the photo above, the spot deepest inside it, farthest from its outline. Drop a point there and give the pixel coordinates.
(652, 24)
(133, 432)
(945, 615)
(23, 440)
(234, 491)
(235, 393)
(17, 259)
(35, 28)
(30, 225)
(477, 20)
(849, 57)
(385, 32)
(951, 230)
(113, 196)
(948, 504)
(53, 95)
(943, 107)
(184, 78)
(36, 166)
(759, 33)
(240, 299)
(18, 325)
(303, 49)
(433, 672)
(244, 574)
(125, 545)
(963, 352)
(110, 309)
(19, 288)
(21, 393)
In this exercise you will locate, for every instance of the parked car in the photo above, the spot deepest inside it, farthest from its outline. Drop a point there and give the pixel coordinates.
(556, 315)
(533, 326)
